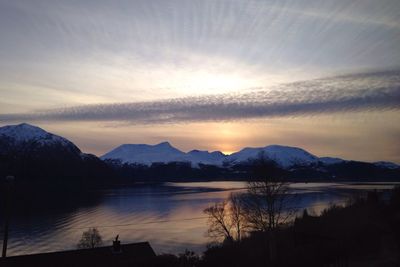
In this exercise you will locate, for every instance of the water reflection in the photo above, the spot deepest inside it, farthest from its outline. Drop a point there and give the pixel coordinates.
(169, 216)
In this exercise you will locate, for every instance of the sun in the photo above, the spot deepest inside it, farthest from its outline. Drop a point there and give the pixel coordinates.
(228, 152)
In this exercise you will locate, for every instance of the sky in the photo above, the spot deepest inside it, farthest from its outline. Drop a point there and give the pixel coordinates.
(206, 74)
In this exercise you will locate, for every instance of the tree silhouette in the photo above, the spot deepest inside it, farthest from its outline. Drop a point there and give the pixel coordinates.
(226, 219)
(237, 215)
(90, 239)
(219, 222)
(267, 202)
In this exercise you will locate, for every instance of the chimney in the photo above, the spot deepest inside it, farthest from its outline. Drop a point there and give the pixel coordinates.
(116, 247)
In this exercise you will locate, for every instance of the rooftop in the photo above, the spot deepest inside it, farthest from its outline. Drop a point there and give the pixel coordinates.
(136, 254)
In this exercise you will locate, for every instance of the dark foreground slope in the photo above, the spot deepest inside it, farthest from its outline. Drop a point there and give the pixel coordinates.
(364, 233)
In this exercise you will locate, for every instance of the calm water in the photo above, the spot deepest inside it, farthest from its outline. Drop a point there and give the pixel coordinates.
(169, 216)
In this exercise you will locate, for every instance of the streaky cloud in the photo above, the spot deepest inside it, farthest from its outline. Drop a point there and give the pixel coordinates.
(346, 93)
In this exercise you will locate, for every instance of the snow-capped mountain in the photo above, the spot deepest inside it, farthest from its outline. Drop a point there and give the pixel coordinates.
(28, 141)
(205, 157)
(32, 154)
(284, 156)
(145, 154)
(163, 152)
(30, 138)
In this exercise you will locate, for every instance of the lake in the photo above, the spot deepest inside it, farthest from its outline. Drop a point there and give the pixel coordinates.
(168, 215)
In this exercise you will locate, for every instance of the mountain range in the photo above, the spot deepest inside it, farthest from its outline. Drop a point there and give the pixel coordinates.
(284, 156)
(30, 150)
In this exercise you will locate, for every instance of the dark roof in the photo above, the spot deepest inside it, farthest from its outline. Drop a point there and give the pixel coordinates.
(137, 254)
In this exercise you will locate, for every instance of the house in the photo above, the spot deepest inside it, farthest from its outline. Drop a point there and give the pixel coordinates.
(136, 254)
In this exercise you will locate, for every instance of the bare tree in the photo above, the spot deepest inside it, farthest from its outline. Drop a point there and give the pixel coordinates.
(267, 203)
(219, 221)
(226, 219)
(238, 218)
(268, 200)
(90, 239)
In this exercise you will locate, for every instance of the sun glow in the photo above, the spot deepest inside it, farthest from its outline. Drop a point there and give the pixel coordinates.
(211, 83)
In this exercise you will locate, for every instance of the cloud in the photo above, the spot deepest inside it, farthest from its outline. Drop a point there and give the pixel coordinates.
(348, 93)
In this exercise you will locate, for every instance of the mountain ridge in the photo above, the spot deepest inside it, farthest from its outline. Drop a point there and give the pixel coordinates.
(26, 138)
(285, 156)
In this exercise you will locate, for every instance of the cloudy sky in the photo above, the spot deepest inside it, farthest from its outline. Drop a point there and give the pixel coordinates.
(206, 74)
